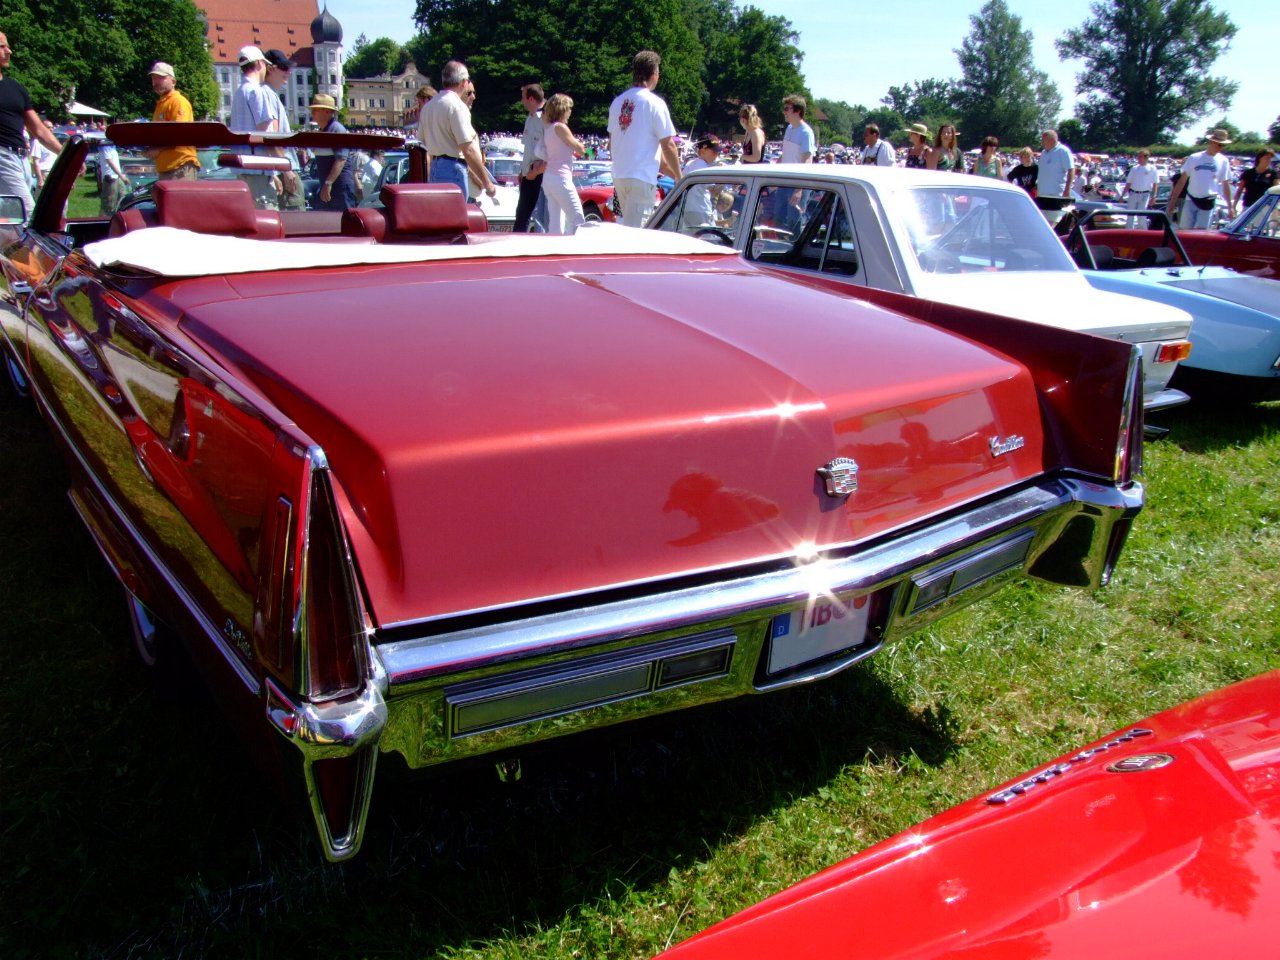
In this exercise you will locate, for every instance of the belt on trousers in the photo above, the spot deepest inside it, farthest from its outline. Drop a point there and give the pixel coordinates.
(445, 156)
(13, 150)
(1139, 191)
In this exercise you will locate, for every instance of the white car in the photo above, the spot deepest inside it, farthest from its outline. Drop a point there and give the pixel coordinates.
(962, 240)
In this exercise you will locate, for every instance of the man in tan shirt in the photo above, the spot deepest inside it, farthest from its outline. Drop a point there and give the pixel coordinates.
(444, 127)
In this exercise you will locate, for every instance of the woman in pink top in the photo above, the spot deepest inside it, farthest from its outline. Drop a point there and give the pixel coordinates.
(564, 209)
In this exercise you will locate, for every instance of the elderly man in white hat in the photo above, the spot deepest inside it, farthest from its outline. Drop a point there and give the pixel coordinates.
(333, 167)
(251, 112)
(1205, 176)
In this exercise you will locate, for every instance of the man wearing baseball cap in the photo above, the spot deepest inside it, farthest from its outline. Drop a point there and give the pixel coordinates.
(172, 163)
(279, 67)
(252, 111)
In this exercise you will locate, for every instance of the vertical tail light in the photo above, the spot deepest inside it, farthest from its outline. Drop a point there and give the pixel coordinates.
(327, 624)
(1129, 440)
(311, 632)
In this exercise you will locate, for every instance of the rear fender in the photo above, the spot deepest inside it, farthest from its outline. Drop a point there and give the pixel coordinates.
(1090, 387)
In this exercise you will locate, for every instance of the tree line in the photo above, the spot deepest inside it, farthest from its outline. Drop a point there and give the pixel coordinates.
(1147, 70)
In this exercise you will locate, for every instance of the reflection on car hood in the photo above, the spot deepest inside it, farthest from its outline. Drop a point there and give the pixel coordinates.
(501, 434)
(1060, 299)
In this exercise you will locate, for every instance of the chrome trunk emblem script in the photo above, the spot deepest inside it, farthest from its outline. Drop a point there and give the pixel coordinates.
(1000, 447)
(840, 477)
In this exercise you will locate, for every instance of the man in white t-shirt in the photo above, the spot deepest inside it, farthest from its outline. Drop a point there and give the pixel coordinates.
(1204, 175)
(1057, 167)
(1140, 181)
(641, 141)
(798, 141)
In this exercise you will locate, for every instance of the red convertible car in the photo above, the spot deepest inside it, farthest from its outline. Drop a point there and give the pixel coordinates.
(1160, 841)
(1248, 244)
(400, 486)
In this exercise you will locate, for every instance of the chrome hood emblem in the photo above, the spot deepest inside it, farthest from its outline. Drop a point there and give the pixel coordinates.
(840, 476)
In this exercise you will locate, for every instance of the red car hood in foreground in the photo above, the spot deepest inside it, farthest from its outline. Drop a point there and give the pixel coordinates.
(676, 432)
(1163, 841)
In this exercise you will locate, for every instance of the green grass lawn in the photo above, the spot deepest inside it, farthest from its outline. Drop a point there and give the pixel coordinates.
(83, 201)
(133, 826)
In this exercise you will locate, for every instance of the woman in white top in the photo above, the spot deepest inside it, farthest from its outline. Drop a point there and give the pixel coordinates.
(564, 209)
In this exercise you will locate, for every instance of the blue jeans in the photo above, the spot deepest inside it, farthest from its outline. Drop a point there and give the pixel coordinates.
(448, 170)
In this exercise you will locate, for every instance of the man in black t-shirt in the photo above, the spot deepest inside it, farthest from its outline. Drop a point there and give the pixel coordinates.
(17, 113)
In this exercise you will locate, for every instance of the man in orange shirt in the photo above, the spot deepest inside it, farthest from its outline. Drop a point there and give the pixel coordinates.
(172, 163)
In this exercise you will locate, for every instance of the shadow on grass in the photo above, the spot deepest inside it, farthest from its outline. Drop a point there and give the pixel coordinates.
(133, 825)
(1205, 428)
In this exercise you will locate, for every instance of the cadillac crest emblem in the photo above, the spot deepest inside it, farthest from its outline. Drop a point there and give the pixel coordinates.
(840, 476)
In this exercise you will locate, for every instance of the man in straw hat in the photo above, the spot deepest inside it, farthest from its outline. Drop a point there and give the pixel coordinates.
(333, 167)
(1204, 176)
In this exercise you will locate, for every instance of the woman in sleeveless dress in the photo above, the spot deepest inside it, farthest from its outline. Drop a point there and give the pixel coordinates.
(988, 164)
(564, 209)
(918, 152)
(945, 154)
(753, 139)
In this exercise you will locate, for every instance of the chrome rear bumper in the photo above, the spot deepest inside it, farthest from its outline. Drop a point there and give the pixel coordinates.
(497, 686)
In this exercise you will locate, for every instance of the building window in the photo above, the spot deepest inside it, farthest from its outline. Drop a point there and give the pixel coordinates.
(382, 102)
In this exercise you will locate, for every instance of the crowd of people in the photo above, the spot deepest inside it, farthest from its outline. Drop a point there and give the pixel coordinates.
(642, 143)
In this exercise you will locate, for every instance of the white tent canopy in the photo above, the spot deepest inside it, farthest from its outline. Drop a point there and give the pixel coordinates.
(81, 110)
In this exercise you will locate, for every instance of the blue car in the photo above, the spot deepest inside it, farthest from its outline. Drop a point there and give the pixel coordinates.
(1235, 331)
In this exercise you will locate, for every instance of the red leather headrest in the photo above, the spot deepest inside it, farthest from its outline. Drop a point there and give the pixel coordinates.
(424, 208)
(477, 222)
(364, 222)
(222, 207)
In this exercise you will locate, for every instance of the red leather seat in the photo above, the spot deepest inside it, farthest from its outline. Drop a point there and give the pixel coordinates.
(221, 207)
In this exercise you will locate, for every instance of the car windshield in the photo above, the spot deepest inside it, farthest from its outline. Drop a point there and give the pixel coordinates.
(1260, 220)
(503, 166)
(963, 229)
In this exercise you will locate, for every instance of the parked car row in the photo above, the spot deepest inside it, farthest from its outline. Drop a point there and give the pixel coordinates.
(1235, 333)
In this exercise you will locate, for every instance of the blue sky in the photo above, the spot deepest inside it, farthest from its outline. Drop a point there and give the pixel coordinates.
(855, 51)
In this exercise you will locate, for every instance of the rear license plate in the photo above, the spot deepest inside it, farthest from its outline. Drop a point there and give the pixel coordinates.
(501, 227)
(818, 629)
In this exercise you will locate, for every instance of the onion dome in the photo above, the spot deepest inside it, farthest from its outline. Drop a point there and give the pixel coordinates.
(325, 28)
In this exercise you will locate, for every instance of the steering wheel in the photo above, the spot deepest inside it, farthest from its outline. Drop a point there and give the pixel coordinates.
(714, 235)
